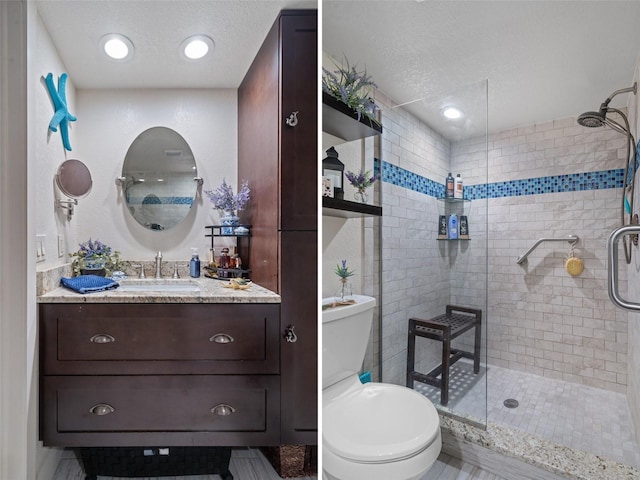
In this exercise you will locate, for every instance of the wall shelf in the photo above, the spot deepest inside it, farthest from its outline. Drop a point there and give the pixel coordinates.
(453, 200)
(335, 207)
(341, 121)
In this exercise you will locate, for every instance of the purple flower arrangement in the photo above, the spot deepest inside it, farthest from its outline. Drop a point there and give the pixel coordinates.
(223, 198)
(361, 180)
(95, 254)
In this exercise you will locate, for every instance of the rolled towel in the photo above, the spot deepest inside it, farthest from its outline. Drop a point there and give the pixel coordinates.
(88, 283)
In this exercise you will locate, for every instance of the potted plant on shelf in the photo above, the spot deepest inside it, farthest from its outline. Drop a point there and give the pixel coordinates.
(95, 258)
(361, 181)
(353, 88)
(228, 204)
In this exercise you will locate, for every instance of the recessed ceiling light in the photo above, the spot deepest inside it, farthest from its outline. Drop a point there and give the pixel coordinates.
(117, 47)
(452, 113)
(196, 47)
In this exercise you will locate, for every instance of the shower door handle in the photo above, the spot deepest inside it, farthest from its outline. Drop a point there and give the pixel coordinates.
(612, 270)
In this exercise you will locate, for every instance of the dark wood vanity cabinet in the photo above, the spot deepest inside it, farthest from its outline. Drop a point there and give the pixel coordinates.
(159, 374)
(278, 155)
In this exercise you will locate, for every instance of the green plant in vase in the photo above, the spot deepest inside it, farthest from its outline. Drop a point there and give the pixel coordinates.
(344, 289)
(351, 87)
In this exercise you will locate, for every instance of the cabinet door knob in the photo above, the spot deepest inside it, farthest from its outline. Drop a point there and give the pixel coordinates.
(102, 338)
(223, 410)
(292, 121)
(221, 338)
(289, 335)
(102, 409)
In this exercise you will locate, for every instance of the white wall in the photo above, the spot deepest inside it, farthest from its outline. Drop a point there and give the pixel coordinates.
(342, 239)
(109, 120)
(47, 147)
(46, 153)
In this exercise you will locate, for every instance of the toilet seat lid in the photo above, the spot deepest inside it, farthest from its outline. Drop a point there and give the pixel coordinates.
(379, 423)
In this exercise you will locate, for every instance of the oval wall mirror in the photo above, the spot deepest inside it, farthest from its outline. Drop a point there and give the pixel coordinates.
(158, 178)
(74, 179)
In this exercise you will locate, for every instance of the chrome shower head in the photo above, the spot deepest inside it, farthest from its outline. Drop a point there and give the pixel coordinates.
(599, 119)
(593, 119)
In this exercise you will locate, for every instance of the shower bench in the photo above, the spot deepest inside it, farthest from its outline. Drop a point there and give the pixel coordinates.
(444, 328)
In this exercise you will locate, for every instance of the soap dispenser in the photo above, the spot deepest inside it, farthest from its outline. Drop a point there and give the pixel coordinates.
(194, 264)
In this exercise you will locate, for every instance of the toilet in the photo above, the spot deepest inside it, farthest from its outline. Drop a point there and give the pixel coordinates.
(372, 431)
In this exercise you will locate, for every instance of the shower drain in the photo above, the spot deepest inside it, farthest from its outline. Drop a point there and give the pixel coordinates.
(511, 403)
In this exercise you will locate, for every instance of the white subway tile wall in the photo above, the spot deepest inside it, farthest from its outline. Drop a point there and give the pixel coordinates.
(541, 319)
(545, 180)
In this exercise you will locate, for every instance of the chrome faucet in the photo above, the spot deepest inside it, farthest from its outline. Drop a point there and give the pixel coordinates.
(159, 265)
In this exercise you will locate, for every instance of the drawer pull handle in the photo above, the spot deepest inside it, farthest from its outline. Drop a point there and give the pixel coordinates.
(221, 338)
(102, 409)
(223, 409)
(102, 338)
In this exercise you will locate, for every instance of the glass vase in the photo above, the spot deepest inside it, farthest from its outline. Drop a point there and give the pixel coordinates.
(361, 195)
(344, 292)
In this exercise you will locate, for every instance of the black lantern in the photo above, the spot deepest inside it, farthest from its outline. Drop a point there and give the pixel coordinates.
(334, 169)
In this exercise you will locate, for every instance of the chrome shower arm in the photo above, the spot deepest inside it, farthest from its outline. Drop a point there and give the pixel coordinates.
(633, 88)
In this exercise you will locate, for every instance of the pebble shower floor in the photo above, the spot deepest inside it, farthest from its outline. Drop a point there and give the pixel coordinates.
(581, 417)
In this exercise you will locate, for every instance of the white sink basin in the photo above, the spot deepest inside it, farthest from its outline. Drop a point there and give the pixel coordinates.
(158, 285)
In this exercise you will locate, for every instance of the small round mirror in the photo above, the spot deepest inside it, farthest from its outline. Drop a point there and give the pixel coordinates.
(74, 179)
(158, 178)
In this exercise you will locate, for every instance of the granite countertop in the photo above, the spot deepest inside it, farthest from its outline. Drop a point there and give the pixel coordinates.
(184, 290)
(563, 461)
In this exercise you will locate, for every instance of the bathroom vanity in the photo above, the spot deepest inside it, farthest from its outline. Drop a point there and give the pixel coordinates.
(135, 368)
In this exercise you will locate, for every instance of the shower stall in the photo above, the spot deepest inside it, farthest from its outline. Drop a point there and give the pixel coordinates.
(434, 280)
(553, 347)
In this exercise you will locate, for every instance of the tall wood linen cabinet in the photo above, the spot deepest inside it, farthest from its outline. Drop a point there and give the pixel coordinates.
(277, 154)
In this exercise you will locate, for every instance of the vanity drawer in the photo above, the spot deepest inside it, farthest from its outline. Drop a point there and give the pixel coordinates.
(160, 410)
(159, 338)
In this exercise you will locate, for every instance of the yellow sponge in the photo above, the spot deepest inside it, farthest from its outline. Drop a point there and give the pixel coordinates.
(574, 266)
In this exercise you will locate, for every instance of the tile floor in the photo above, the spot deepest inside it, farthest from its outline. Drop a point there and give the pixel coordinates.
(585, 418)
(451, 468)
(250, 464)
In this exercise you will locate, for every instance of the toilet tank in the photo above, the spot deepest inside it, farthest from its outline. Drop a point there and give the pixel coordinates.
(345, 335)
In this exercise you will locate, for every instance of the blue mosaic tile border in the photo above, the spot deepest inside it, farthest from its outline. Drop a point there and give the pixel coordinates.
(404, 178)
(572, 182)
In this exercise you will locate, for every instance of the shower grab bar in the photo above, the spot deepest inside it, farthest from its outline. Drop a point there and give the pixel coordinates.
(522, 259)
(612, 270)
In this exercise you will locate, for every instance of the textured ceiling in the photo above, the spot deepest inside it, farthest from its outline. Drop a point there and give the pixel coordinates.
(543, 60)
(157, 28)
